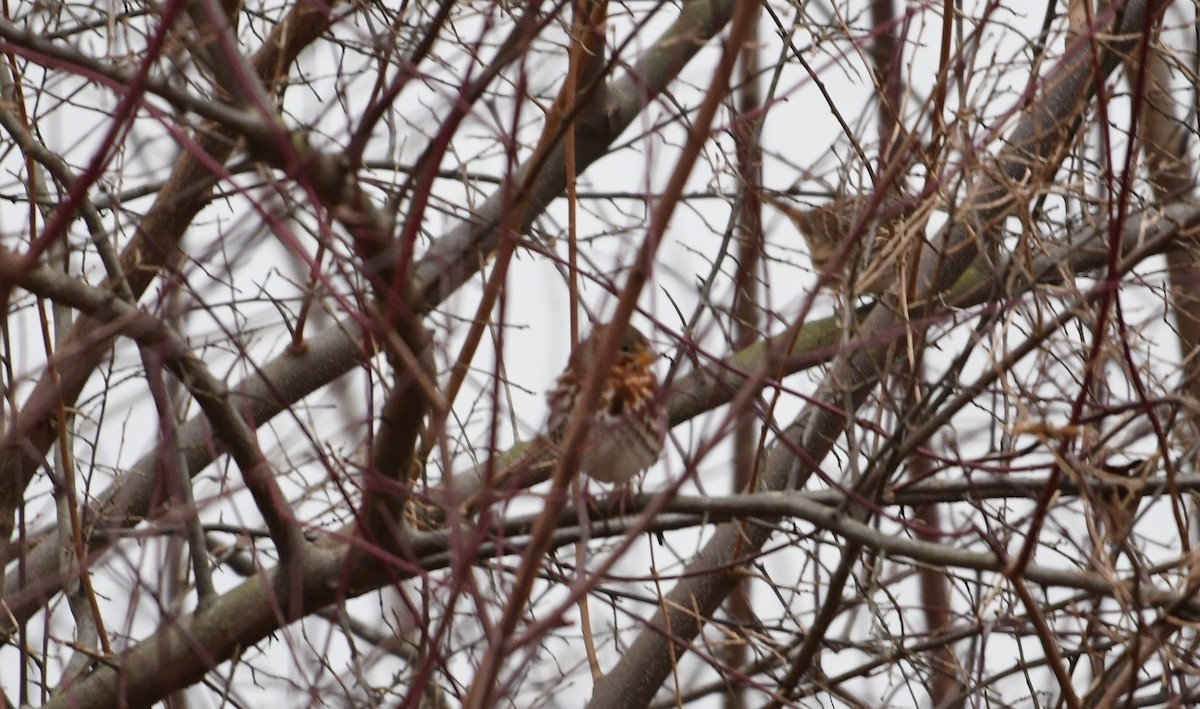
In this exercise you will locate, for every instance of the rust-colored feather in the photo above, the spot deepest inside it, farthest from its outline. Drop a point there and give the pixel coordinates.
(627, 429)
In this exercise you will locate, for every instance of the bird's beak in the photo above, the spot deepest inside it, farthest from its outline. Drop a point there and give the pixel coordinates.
(646, 358)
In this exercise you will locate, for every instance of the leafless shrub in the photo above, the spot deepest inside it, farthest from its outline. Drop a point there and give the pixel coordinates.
(285, 284)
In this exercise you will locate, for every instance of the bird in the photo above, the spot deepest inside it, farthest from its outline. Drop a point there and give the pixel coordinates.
(825, 229)
(626, 431)
(1118, 489)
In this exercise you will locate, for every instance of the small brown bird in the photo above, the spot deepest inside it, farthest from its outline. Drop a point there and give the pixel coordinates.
(1118, 489)
(825, 229)
(626, 432)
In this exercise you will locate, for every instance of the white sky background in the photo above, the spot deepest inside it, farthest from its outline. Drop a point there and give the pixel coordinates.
(237, 259)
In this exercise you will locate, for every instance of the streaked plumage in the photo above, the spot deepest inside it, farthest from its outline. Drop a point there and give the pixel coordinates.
(626, 431)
